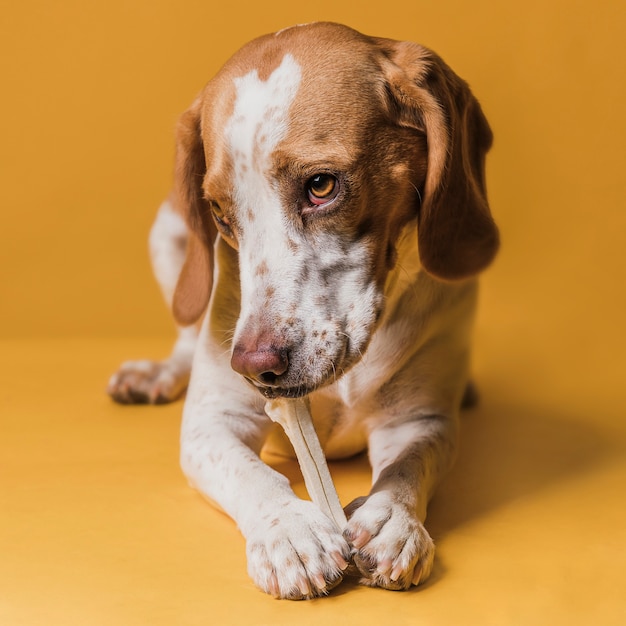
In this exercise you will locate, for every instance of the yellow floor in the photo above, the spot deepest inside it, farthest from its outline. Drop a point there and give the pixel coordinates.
(98, 527)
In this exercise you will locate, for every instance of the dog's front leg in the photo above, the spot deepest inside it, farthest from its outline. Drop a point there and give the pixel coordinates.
(294, 551)
(386, 528)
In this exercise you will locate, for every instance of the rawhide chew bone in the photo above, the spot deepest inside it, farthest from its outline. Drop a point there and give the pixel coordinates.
(295, 418)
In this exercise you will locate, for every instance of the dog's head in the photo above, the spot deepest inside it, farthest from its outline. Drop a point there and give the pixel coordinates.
(309, 153)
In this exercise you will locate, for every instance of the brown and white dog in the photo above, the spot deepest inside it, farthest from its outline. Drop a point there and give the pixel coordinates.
(328, 221)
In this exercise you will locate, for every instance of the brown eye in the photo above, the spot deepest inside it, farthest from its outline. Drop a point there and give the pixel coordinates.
(322, 188)
(219, 216)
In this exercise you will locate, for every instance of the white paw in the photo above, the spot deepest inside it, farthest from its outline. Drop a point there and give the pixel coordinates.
(296, 552)
(152, 382)
(393, 549)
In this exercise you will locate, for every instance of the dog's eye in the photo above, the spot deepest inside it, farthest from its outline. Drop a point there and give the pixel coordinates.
(322, 188)
(219, 216)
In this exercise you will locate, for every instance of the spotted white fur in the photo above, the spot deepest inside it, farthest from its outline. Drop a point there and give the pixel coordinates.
(257, 125)
(324, 283)
(260, 116)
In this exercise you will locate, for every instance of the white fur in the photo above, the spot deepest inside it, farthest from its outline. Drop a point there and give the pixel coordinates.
(259, 119)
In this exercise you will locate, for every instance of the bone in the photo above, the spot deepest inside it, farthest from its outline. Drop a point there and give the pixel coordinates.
(295, 418)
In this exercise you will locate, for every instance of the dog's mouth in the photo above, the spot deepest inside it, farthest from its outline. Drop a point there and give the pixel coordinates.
(276, 391)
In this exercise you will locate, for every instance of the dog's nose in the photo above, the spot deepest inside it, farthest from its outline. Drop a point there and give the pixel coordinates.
(263, 364)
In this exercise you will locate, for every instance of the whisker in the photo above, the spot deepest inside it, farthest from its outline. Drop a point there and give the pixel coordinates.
(361, 355)
(228, 336)
(332, 364)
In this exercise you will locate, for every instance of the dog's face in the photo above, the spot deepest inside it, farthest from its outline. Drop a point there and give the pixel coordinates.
(311, 183)
(310, 151)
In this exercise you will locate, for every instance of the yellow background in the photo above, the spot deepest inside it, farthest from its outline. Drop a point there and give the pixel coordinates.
(96, 523)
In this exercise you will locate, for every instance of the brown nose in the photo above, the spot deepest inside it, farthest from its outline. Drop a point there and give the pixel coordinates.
(263, 364)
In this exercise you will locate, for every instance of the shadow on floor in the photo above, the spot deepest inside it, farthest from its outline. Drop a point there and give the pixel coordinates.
(509, 451)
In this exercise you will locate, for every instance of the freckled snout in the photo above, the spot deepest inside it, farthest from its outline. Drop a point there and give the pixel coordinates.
(261, 361)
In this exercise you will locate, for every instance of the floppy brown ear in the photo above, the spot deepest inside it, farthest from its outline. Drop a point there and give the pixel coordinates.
(457, 236)
(195, 282)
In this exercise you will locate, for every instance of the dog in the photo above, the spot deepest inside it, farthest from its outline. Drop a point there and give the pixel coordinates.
(328, 221)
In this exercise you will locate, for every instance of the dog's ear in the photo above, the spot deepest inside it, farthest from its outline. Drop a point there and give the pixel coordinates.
(195, 282)
(457, 236)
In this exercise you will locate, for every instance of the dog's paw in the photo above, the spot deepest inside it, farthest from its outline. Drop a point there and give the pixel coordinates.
(298, 553)
(392, 549)
(148, 382)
